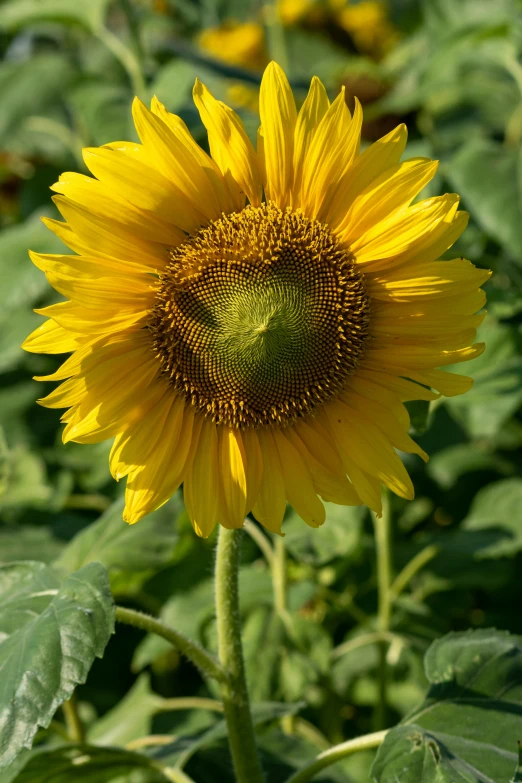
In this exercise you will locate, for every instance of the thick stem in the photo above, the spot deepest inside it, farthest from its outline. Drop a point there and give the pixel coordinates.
(384, 576)
(234, 691)
(205, 662)
(337, 753)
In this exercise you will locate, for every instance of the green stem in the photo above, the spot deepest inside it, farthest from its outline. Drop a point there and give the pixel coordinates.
(338, 752)
(363, 641)
(279, 575)
(205, 662)
(234, 691)
(257, 535)
(382, 526)
(73, 722)
(176, 775)
(276, 35)
(190, 703)
(410, 569)
(126, 57)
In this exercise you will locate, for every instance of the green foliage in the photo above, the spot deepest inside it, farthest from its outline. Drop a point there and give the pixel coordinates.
(448, 739)
(51, 634)
(68, 73)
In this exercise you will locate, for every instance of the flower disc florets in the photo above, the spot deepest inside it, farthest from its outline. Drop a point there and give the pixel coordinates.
(260, 317)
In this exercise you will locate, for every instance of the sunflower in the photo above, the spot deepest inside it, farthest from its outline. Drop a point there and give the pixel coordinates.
(249, 324)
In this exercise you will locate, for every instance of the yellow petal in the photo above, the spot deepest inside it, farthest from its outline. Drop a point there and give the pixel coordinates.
(334, 146)
(201, 487)
(333, 487)
(401, 232)
(107, 237)
(131, 449)
(300, 491)
(448, 384)
(209, 166)
(278, 118)
(172, 158)
(230, 146)
(90, 322)
(254, 466)
(269, 508)
(395, 188)
(434, 279)
(108, 203)
(310, 115)
(50, 337)
(233, 476)
(370, 447)
(142, 185)
(365, 169)
(154, 482)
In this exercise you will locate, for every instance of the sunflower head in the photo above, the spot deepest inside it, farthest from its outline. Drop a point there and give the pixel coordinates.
(250, 323)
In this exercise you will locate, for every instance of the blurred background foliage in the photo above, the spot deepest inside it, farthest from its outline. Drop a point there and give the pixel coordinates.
(450, 69)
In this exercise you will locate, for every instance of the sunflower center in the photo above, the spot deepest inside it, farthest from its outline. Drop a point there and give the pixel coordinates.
(260, 317)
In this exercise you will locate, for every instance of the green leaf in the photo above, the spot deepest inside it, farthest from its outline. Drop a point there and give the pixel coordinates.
(497, 389)
(518, 772)
(28, 541)
(50, 634)
(340, 536)
(498, 505)
(183, 748)
(419, 411)
(18, 13)
(29, 87)
(124, 547)
(131, 718)
(497, 206)
(467, 728)
(87, 763)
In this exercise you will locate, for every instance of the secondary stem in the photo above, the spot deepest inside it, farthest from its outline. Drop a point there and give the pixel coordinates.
(234, 691)
(200, 657)
(337, 753)
(73, 722)
(279, 575)
(384, 575)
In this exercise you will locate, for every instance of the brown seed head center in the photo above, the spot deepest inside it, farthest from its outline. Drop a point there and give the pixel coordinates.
(260, 317)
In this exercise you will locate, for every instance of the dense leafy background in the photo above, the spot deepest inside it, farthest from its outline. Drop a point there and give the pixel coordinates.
(452, 70)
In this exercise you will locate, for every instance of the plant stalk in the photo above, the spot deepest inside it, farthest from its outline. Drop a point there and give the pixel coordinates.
(382, 526)
(205, 662)
(234, 691)
(338, 752)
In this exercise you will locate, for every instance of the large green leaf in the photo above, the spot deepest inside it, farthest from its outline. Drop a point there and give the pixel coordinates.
(499, 505)
(497, 205)
(50, 634)
(130, 718)
(29, 87)
(340, 536)
(17, 13)
(497, 389)
(182, 749)
(87, 763)
(124, 547)
(467, 728)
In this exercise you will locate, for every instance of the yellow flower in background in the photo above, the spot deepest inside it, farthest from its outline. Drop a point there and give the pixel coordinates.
(369, 26)
(292, 12)
(241, 44)
(236, 43)
(250, 324)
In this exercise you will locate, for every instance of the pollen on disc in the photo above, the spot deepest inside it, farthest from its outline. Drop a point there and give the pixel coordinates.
(260, 317)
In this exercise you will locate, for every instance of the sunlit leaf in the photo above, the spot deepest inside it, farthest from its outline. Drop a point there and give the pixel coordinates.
(50, 635)
(467, 728)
